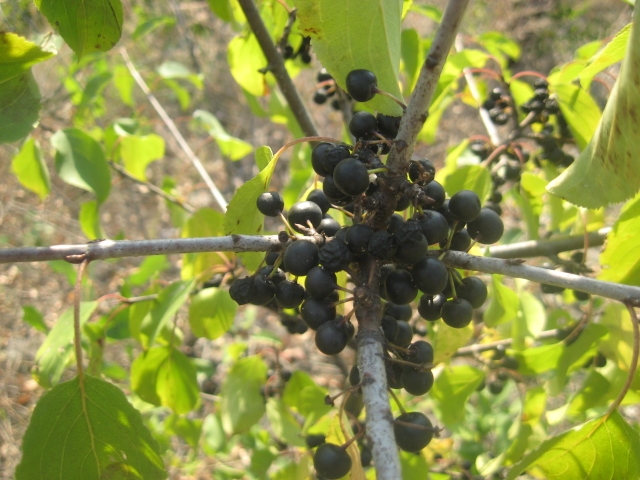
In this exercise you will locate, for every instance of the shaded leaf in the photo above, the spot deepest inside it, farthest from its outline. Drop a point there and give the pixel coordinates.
(33, 317)
(600, 448)
(80, 161)
(165, 376)
(28, 165)
(306, 397)
(85, 25)
(57, 349)
(242, 404)
(159, 313)
(98, 425)
(345, 36)
(19, 107)
(284, 425)
(211, 312)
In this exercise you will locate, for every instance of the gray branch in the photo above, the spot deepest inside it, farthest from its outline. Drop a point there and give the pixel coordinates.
(514, 268)
(549, 247)
(418, 106)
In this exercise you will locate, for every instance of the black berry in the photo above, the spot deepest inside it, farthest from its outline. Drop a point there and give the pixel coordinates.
(361, 85)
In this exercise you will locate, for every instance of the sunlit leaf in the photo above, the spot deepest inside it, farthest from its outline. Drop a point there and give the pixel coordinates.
(80, 161)
(600, 448)
(139, 151)
(608, 170)
(33, 317)
(612, 53)
(28, 165)
(284, 424)
(57, 349)
(242, 215)
(447, 340)
(90, 220)
(242, 403)
(85, 25)
(469, 177)
(165, 376)
(18, 55)
(621, 256)
(211, 312)
(345, 36)
(205, 222)
(245, 59)
(96, 423)
(230, 146)
(145, 28)
(503, 303)
(452, 389)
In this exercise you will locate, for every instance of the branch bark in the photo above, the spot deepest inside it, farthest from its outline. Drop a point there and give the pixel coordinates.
(417, 108)
(276, 65)
(552, 246)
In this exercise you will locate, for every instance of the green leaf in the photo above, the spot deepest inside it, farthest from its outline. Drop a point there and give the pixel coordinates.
(149, 267)
(19, 107)
(411, 58)
(447, 340)
(452, 389)
(469, 177)
(617, 346)
(18, 55)
(345, 36)
(57, 349)
(284, 425)
(579, 110)
(165, 376)
(80, 162)
(242, 404)
(90, 220)
(498, 45)
(148, 26)
(303, 395)
(533, 313)
(205, 222)
(95, 422)
(211, 312)
(621, 256)
(600, 448)
(85, 25)
(612, 53)
(608, 169)
(413, 466)
(139, 151)
(230, 146)
(503, 303)
(245, 58)
(33, 317)
(539, 359)
(242, 215)
(31, 170)
(160, 313)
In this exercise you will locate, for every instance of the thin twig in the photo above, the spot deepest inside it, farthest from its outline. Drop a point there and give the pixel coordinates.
(474, 349)
(153, 188)
(514, 268)
(277, 67)
(418, 105)
(551, 246)
(77, 332)
(217, 195)
(633, 365)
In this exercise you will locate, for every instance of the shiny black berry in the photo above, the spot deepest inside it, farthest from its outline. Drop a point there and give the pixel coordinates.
(300, 257)
(270, 204)
(361, 85)
(465, 205)
(362, 124)
(413, 431)
(457, 313)
(303, 214)
(351, 177)
(331, 461)
(487, 227)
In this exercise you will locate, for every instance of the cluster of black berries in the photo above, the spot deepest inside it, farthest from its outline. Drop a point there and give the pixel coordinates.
(303, 51)
(356, 182)
(326, 89)
(499, 106)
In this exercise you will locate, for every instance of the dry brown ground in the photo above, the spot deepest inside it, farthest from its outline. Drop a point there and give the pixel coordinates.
(548, 36)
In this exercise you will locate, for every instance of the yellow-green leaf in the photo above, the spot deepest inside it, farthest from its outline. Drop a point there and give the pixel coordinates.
(18, 55)
(28, 165)
(603, 448)
(139, 151)
(347, 34)
(608, 170)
